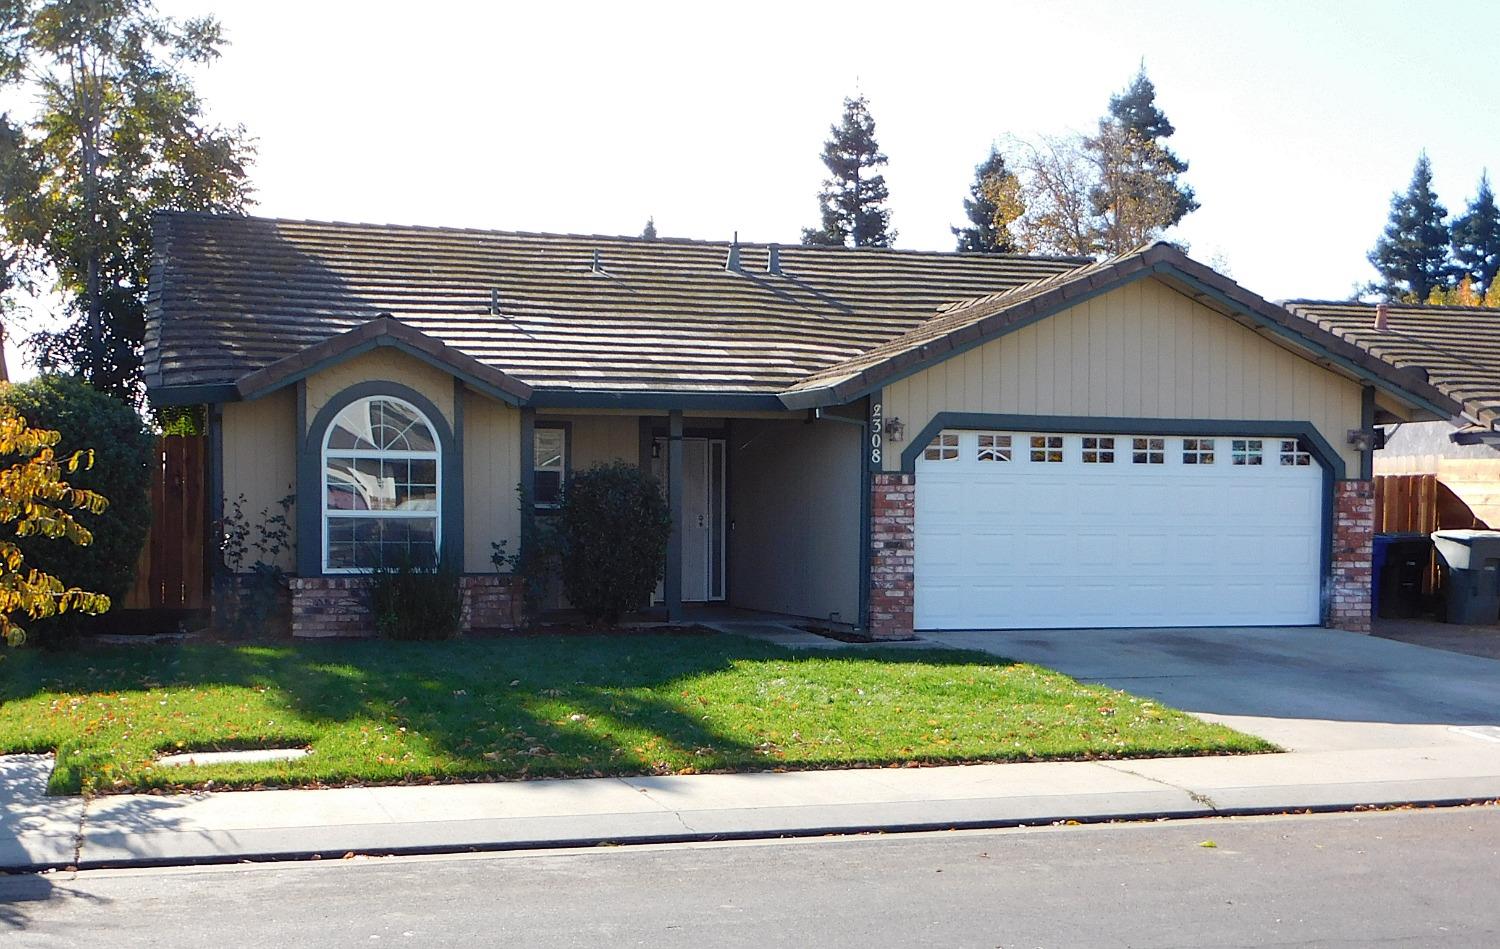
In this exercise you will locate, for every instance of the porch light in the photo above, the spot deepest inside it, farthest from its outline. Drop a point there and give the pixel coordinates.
(894, 430)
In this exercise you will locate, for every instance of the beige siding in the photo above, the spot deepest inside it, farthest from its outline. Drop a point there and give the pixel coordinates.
(600, 439)
(260, 462)
(794, 502)
(381, 365)
(1143, 350)
(492, 440)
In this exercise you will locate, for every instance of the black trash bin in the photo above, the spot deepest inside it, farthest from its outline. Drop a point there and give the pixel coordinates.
(1405, 562)
(1473, 561)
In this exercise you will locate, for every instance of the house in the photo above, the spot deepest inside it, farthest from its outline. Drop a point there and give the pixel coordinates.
(1459, 349)
(887, 440)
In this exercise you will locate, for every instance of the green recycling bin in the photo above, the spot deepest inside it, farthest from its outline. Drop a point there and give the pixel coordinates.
(1473, 561)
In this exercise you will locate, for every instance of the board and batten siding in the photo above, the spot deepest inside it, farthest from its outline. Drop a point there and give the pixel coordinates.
(600, 439)
(1142, 351)
(381, 365)
(260, 463)
(492, 457)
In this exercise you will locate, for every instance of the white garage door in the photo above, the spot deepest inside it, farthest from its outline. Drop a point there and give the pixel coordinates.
(1024, 530)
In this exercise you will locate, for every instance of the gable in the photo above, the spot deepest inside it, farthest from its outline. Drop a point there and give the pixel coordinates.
(1143, 350)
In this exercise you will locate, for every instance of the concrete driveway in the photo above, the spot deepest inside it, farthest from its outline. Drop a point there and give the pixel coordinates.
(1306, 689)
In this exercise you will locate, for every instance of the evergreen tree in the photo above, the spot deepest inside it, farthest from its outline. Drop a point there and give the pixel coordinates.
(1411, 256)
(853, 196)
(992, 204)
(650, 232)
(1135, 131)
(1476, 238)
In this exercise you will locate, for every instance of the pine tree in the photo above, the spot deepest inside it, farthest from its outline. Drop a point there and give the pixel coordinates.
(1411, 256)
(1476, 238)
(993, 203)
(853, 196)
(650, 231)
(1135, 129)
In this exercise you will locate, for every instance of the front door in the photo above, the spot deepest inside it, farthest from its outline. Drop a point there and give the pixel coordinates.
(702, 516)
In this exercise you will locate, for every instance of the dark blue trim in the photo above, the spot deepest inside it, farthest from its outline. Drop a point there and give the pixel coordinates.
(1075, 424)
(656, 401)
(1329, 460)
(526, 455)
(193, 395)
(672, 581)
(310, 474)
(453, 527)
(1367, 422)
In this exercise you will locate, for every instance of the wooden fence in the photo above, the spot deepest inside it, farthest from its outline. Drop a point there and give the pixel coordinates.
(1406, 504)
(172, 573)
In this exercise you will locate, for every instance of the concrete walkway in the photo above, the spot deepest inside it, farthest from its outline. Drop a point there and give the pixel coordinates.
(1367, 722)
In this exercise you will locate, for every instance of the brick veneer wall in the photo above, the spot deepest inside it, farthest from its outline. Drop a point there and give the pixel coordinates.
(340, 606)
(1353, 534)
(892, 576)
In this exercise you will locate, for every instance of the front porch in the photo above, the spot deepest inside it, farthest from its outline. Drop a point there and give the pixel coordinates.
(767, 508)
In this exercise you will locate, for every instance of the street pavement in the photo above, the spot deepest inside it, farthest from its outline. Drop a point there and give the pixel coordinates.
(1402, 878)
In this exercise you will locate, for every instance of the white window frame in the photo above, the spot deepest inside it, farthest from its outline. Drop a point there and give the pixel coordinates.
(1155, 457)
(940, 446)
(1293, 455)
(1204, 451)
(1046, 449)
(1001, 448)
(1251, 455)
(1104, 445)
(435, 515)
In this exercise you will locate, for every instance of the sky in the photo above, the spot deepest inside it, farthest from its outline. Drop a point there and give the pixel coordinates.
(1299, 119)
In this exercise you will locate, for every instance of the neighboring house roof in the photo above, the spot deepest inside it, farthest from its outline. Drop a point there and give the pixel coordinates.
(231, 295)
(1457, 346)
(975, 321)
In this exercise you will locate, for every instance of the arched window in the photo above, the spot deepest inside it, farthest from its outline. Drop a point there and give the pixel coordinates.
(381, 487)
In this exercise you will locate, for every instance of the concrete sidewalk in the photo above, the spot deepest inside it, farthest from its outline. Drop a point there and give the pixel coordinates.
(38, 832)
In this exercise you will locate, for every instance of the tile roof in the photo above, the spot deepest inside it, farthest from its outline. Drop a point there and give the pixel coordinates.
(231, 295)
(1457, 346)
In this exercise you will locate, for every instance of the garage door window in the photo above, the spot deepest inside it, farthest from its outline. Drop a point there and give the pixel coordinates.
(1197, 451)
(1047, 448)
(1246, 451)
(994, 448)
(1292, 454)
(1148, 451)
(1098, 451)
(943, 448)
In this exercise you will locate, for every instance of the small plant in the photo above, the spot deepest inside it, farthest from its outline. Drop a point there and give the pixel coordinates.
(415, 602)
(250, 592)
(612, 529)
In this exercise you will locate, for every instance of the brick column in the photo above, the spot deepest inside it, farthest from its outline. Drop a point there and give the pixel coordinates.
(892, 577)
(1353, 533)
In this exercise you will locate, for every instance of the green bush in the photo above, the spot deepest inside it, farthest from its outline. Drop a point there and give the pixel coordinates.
(411, 601)
(123, 449)
(612, 529)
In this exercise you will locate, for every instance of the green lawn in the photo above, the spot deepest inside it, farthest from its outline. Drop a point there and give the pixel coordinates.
(527, 707)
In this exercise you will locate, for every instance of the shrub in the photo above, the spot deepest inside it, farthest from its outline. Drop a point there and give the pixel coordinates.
(612, 529)
(122, 447)
(250, 593)
(411, 601)
(37, 501)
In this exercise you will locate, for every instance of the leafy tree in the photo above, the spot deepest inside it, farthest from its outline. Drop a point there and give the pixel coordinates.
(118, 132)
(650, 231)
(1411, 256)
(35, 501)
(1056, 178)
(994, 201)
(853, 196)
(122, 447)
(1476, 238)
(1137, 191)
(612, 529)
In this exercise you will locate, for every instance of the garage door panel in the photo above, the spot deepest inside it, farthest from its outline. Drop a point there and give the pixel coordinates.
(1058, 545)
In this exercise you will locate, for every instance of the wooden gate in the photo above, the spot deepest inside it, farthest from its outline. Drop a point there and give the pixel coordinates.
(1406, 504)
(172, 572)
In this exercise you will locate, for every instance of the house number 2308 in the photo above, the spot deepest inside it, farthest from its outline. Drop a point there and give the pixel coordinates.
(877, 431)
